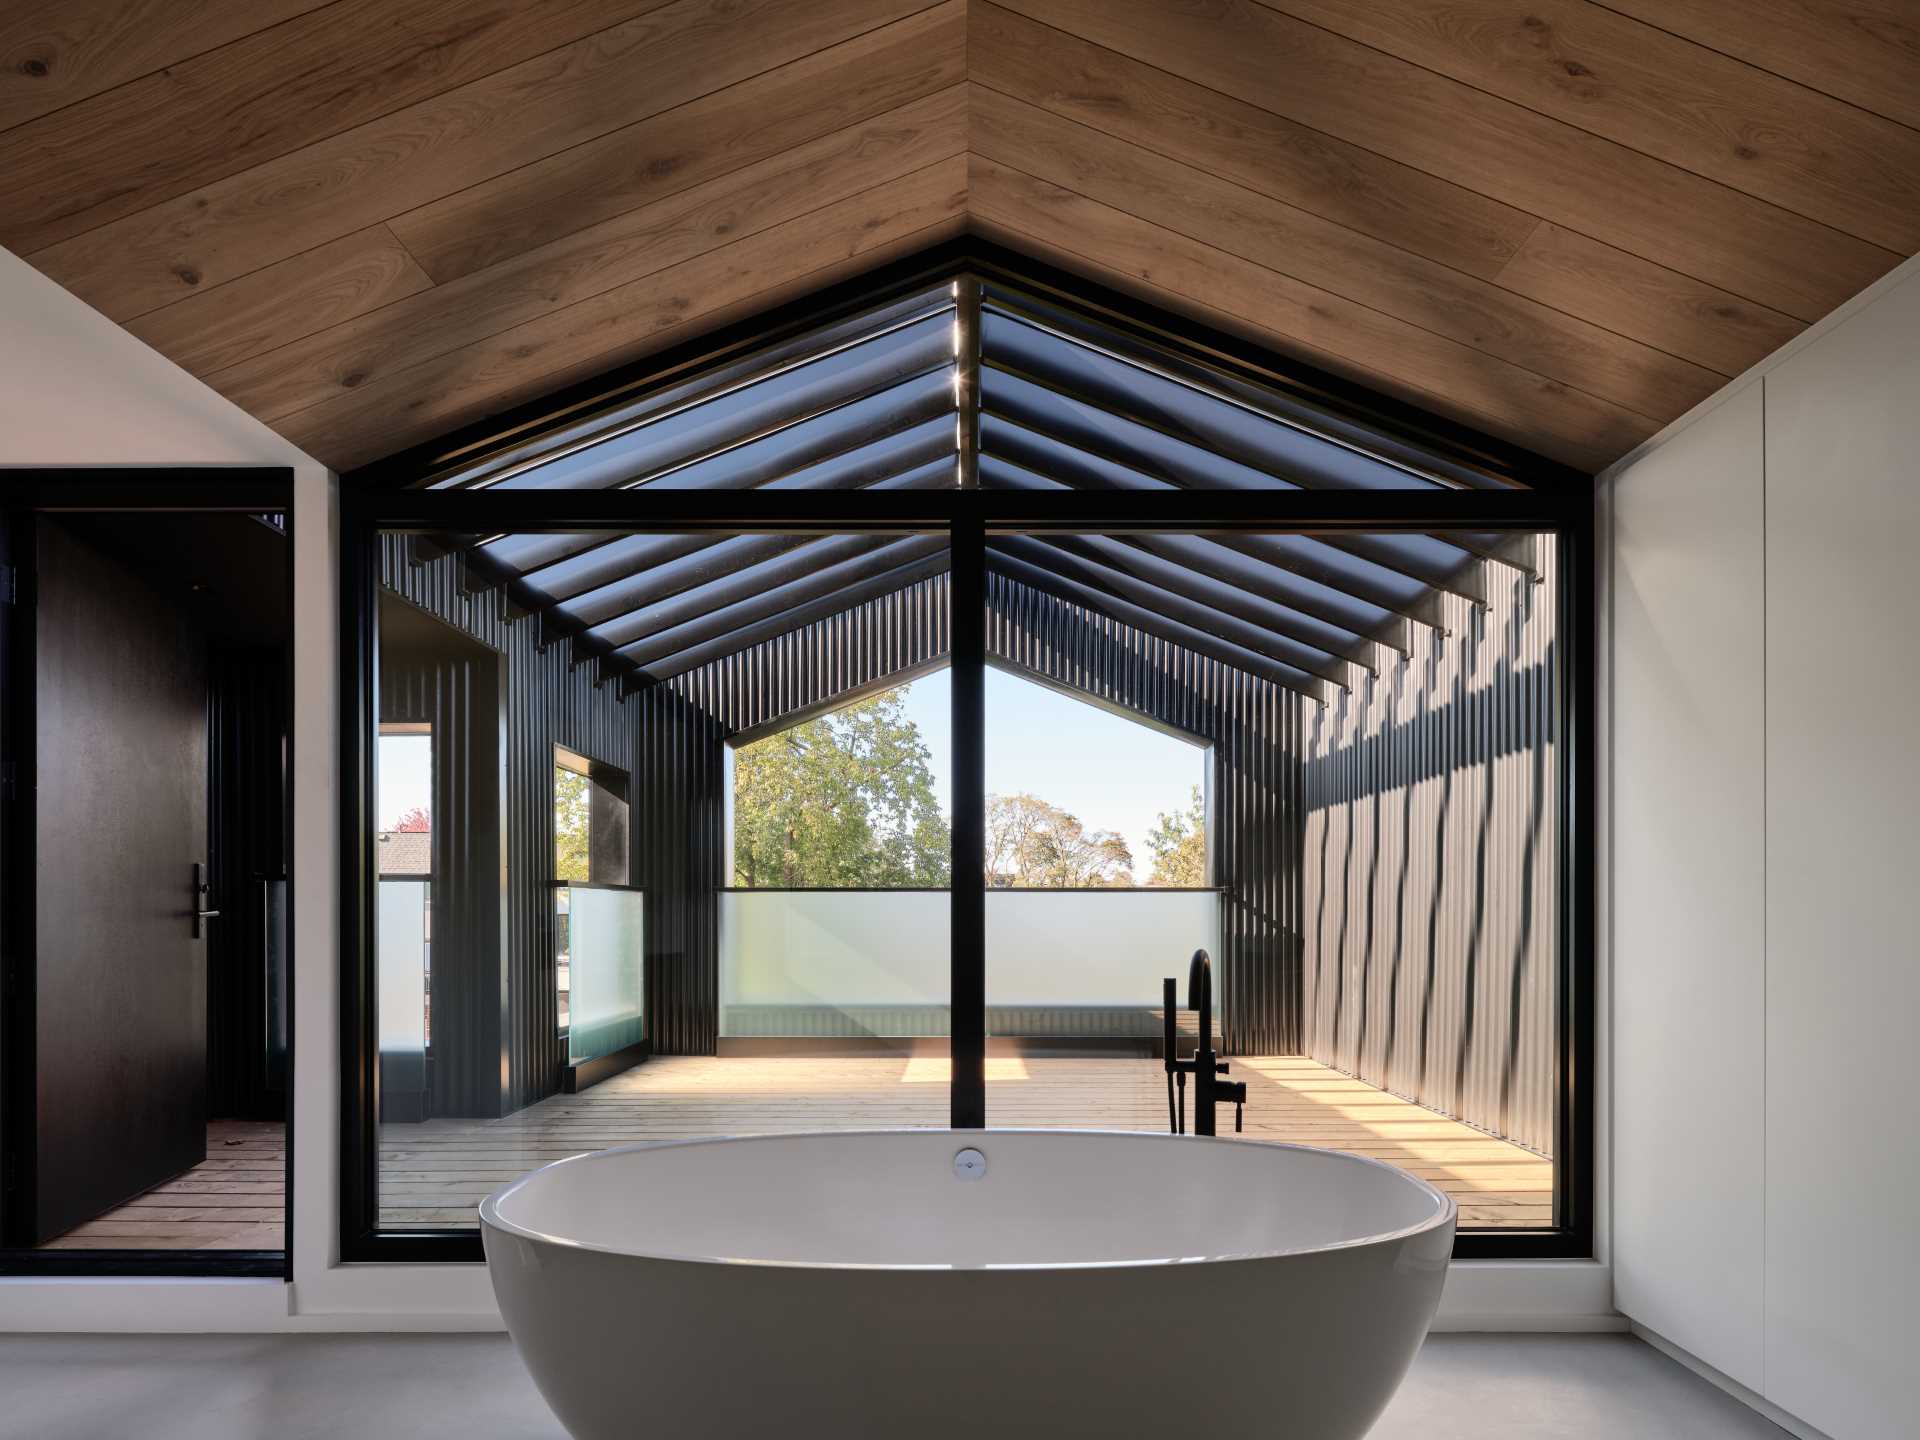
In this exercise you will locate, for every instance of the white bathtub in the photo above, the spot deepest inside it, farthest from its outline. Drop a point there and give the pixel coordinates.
(866, 1284)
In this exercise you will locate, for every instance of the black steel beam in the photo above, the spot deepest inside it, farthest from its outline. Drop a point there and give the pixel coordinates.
(967, 895)
(666, 512)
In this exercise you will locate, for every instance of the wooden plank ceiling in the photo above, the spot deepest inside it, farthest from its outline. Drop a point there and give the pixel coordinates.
(368, 221)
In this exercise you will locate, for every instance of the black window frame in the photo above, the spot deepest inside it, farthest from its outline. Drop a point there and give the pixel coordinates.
(1536, 496)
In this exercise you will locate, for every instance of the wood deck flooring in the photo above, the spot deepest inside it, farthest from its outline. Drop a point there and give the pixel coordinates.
(235, 1199)
(436, 1172)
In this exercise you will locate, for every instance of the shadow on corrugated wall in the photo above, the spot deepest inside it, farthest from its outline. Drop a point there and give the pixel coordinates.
(1430, 867)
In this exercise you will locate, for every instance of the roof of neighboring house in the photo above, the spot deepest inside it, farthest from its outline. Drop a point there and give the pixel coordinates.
(404, 852)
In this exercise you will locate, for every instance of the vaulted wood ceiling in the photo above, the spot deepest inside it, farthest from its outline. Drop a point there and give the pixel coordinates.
(368, 221)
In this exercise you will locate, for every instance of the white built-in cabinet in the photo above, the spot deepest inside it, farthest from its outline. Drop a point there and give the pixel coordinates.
(1765, 879)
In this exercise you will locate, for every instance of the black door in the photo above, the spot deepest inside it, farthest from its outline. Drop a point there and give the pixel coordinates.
(119, 975)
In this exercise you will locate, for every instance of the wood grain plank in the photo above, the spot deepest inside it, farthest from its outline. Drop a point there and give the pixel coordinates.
(1291, 1100)
(637, 164)
(1160, 111)
(405, 159)
(1866, 52)
(221, 327)
(1405, 207)
(56, 52)
(1484, 143)
(1292, 316)
(276, 90)
(678, 227)
(1681, 315)
(421, 401)
(1294, 242)
(1662, 96)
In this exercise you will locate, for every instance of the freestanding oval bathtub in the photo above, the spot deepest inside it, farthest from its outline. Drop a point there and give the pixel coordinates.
(1074, 1283)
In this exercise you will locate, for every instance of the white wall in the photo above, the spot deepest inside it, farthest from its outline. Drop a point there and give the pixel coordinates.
(1765, 965)
(1843, 934)
(1689, 870)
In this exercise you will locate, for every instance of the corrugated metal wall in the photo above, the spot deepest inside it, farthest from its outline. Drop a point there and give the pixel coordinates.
(1253, 726)
(548, 701)
(1432, 917)
(679, 839)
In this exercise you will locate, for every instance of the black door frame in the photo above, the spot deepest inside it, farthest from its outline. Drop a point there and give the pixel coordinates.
(24, 494)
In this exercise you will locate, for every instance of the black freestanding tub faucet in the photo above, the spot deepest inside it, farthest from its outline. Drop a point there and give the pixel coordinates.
(1206, 1067)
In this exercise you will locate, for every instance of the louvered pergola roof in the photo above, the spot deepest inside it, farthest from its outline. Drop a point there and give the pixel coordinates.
(974, 380)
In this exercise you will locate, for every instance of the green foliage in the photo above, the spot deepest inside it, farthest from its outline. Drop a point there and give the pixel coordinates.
(844, 800)
(1031, 844)
(570, 792)
(1179, 845)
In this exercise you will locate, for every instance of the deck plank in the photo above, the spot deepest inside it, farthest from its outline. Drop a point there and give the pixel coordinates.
(435, 1172)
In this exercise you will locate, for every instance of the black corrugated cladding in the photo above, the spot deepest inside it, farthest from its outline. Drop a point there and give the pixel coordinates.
(1432, 820)
(548, 701)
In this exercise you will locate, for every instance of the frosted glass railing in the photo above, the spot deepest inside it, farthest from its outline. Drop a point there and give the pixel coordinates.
(876, 962)
(605, 938)
(400, 948)
(834, 962)
(1083, 949)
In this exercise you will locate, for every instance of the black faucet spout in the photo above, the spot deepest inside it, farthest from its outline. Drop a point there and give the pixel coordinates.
(1206, 1066)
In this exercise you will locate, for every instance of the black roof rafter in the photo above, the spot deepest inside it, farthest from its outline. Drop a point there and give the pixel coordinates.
(988, 378)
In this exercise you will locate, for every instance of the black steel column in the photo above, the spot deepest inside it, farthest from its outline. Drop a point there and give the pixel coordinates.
(969, 893)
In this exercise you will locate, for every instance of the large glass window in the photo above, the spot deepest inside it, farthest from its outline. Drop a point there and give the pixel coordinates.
(853, 807)
(834, 931)
(1383, 952)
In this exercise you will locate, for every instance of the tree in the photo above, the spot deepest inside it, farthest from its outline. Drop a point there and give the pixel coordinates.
(570, 808)
(1031, 844)
(1179, 845)
(415, 820)
(843, 800)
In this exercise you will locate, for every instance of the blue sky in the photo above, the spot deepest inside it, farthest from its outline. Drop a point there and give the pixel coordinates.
(1113, 773)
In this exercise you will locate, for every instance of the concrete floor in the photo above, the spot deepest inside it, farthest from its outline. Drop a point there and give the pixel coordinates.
(424, 1387)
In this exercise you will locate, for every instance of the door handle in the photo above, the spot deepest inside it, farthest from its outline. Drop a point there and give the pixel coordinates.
(200, 914)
